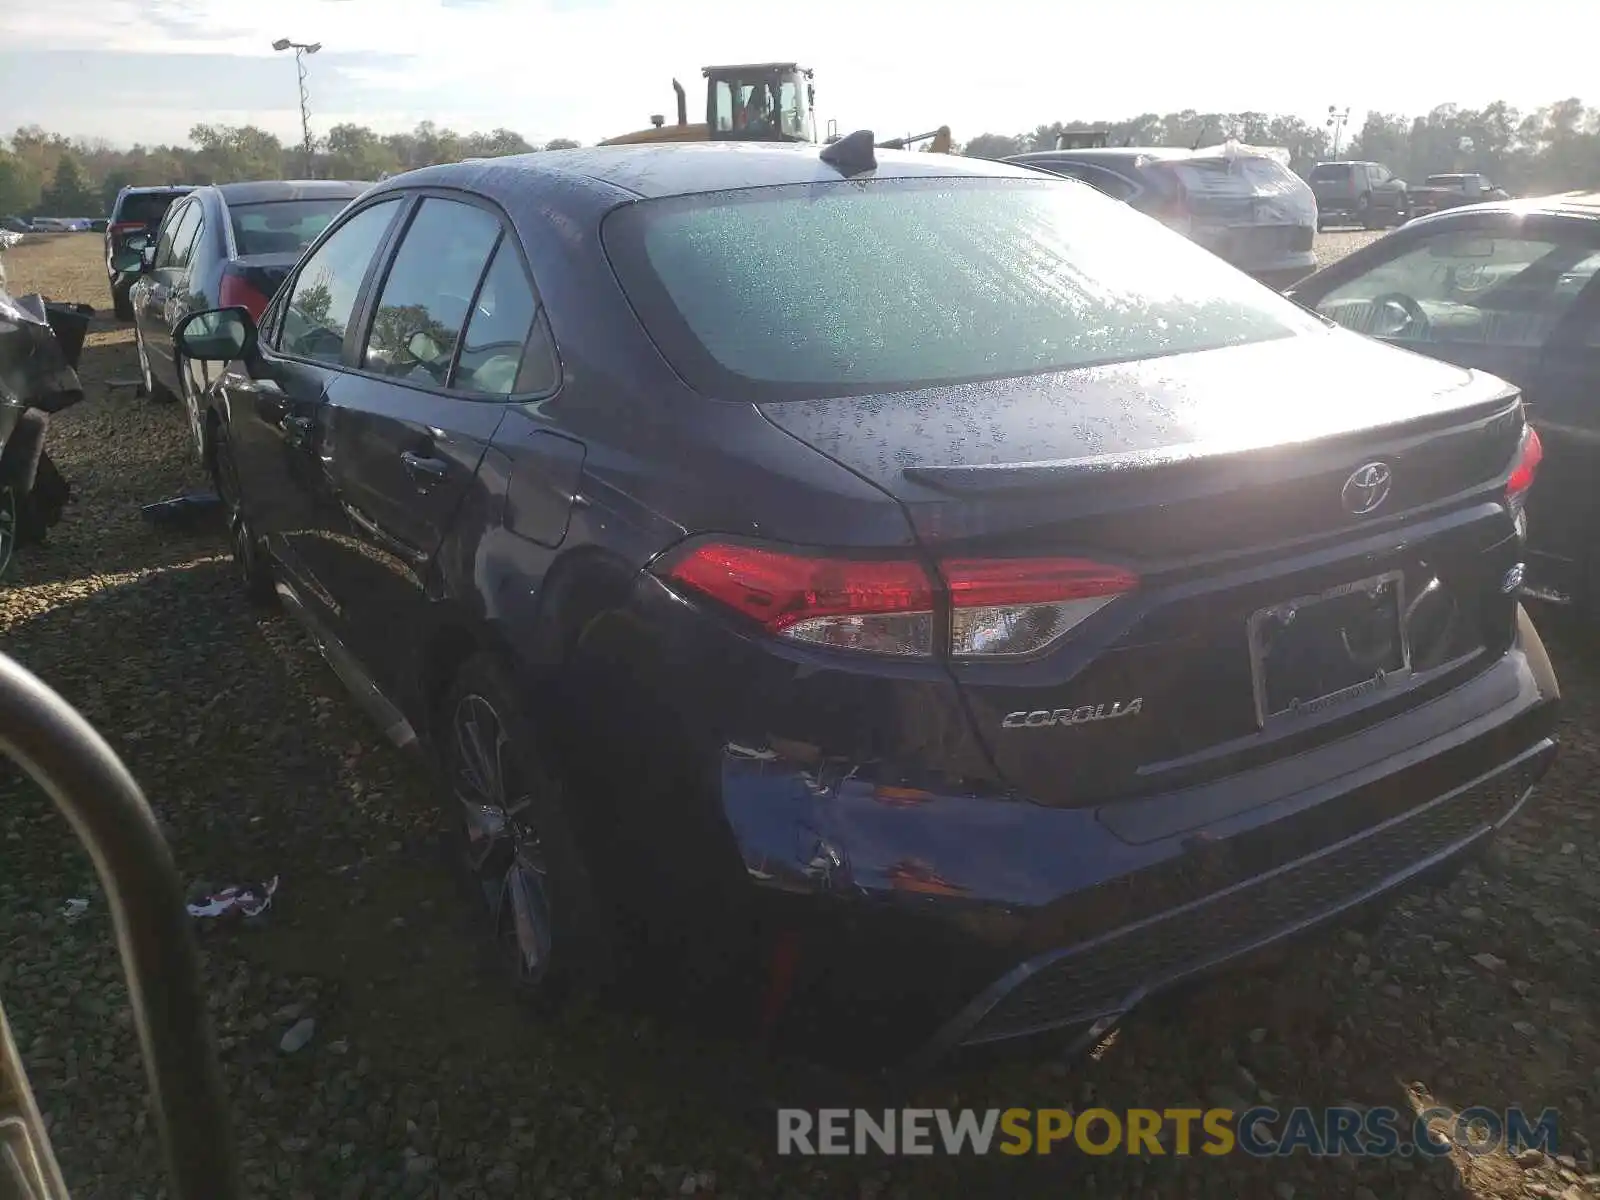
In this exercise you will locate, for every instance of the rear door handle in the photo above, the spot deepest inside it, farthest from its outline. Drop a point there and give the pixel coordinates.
(298, 429)
(423, 471)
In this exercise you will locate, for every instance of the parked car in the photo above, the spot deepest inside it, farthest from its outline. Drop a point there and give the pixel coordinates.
(231, 244)
(931, 584)
(135, 211)
(54, 225)
(1507, 288)
(15, 225)
(1439, 192)
(1367, 194)
(1252, 211)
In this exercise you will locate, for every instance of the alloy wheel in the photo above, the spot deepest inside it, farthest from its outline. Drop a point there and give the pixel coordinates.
(501, 849)
(8, 528)
(192, 407)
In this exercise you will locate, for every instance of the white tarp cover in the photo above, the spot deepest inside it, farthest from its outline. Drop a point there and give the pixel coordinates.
(1233, 172)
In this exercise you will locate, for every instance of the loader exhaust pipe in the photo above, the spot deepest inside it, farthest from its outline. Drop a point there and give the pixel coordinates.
(683, 103)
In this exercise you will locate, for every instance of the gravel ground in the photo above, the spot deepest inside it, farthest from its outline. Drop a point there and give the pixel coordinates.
(421, 1079)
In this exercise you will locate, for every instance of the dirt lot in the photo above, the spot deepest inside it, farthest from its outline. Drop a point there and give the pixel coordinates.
(421, 1079)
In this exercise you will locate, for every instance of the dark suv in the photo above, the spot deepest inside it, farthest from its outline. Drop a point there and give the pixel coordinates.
(899, 577)
(1367, 194)
(136, 210)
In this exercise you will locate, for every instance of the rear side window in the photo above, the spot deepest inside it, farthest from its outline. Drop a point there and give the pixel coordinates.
(497, 333)
(281, 226)
(148, 207)
(178, 236)
(1330, 173)
(856, 287)
(427, 298)
(316, 317)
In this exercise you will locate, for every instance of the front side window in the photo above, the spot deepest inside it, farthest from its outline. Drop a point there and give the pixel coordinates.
(428, 296)
(1468, 286)
(317, 315)
(862, 286)
(166, 239)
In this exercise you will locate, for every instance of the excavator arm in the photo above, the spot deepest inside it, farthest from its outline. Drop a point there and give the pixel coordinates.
(939, 141)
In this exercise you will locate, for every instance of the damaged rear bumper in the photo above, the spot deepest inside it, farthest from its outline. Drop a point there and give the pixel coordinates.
(938, 921)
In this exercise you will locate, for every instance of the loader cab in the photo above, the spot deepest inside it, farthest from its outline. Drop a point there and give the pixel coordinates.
(760, 102)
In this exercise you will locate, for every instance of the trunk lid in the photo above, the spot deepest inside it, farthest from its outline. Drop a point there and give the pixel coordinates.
(1218, 477)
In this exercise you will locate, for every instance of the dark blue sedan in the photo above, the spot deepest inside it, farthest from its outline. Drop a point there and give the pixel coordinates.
(901, 587)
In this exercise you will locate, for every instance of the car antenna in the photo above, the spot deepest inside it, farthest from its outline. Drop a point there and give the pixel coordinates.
(852, 154)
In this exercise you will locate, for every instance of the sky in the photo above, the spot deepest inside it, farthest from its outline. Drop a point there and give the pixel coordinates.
(147, 70)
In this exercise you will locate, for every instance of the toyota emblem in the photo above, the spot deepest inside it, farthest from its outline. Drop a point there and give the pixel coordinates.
(1367, 487)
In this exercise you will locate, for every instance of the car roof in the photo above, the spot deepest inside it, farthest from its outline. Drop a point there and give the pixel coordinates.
(1101, 153)
(1579, 205)
(680, 168)
(266, 190)
(145, 189)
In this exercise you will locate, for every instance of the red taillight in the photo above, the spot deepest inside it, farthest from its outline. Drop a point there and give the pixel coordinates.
(1526, 466)
(126, 227)
(998, 607)
(236, 291)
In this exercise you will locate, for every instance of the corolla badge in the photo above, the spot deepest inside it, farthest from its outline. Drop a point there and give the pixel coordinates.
(1082, 715)
(1366, 489)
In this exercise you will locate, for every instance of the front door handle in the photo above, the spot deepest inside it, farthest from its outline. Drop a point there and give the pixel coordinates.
(424, 471)
(298, 429)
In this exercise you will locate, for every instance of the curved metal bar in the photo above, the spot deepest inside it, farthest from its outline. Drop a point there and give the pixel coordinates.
(54, 744)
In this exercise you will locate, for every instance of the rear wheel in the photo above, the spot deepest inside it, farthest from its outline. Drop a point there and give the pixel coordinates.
(8, 528)
(514, 844)
(249, 559)
(1364, 213)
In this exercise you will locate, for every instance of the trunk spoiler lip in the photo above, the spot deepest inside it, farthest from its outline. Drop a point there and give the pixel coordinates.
(1208, 457)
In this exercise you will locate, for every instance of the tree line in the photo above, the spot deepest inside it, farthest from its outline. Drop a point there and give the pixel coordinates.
(49, 174)
(1551, 149)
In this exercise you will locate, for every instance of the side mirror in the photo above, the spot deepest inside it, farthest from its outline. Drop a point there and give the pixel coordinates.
(128, 261)
(216, 335)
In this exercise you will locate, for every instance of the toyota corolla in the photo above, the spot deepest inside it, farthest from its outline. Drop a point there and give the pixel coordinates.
(935, 586)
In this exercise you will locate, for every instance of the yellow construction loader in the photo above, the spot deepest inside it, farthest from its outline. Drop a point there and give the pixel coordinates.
(758, 102)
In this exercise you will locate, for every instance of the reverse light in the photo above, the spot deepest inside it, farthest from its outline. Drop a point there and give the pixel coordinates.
(998, 608)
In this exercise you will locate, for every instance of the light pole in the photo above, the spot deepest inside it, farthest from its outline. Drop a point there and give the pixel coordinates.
(301, 49)
(1337, 121)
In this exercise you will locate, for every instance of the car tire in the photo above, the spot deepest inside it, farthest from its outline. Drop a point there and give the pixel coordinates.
(514, 844)
(149, 386)
(196, 418)
(250, 560)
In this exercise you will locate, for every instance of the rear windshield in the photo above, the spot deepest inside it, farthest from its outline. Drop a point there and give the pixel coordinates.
(148, 207)
(281, 226)
(1335, 172)
(873, 286)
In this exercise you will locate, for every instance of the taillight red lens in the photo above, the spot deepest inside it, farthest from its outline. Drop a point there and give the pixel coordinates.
(1526, 467)
(126, 226)
(998, 607)
(238, 292)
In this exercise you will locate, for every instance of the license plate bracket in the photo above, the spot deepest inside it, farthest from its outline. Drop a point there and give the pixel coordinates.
(1317, 651)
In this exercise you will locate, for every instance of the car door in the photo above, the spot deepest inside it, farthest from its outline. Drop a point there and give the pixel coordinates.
(1564, 506)
(1385, 193)
(189, 254)
(273, 407)
(444, 350)
(1503, 294)
(154, 292)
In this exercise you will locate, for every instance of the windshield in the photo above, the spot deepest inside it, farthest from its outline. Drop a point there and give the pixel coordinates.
(282, 226)
(148, 207)
(874, 286)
